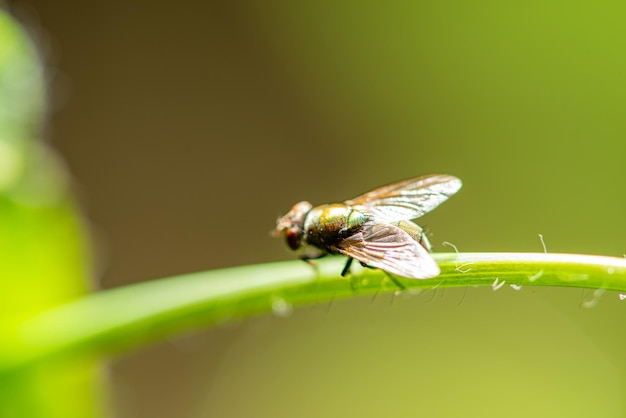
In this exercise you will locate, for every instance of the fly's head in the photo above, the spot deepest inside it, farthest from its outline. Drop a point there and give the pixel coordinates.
(291, 225)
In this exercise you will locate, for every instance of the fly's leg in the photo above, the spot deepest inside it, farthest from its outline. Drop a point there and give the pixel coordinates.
(310, 261)
(395, 281)
(389, 275)
(313, 264)
(346, 268)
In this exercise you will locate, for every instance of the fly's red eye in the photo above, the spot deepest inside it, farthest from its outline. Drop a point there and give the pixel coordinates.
(293, 238)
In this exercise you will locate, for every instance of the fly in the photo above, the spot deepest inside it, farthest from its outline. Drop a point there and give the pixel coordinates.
(374, 228)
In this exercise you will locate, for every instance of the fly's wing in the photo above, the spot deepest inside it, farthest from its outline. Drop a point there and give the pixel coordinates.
(389, 248)
(408, 199)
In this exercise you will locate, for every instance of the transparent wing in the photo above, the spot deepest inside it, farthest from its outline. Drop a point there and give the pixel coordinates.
(389, 248)
(408, 199)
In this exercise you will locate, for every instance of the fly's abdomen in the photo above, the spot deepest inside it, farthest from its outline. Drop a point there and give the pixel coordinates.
(415, 231)
(325, 226)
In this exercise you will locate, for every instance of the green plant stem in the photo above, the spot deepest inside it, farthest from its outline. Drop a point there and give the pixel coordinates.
(133, 315)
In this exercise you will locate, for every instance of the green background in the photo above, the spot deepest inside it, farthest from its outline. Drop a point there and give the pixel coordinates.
(189, 128)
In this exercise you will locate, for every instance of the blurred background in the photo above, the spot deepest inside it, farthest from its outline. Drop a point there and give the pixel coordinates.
(187, 129)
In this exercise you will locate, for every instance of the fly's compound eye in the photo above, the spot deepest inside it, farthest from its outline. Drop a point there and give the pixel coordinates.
(293, 238)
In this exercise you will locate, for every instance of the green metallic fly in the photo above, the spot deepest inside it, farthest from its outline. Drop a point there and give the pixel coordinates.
(374, 228)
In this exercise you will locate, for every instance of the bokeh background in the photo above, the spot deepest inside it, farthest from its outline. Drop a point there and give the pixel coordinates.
(188, 128)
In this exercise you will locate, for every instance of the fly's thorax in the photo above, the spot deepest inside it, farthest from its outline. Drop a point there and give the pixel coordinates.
(415, 231)
(327, 225)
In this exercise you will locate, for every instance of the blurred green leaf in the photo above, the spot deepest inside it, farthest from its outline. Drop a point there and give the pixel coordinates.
(44, 259)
